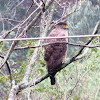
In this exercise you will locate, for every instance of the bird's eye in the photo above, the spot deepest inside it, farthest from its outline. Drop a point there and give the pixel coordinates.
(64, 26)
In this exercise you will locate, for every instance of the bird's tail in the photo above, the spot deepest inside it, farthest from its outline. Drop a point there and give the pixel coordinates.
(53, 81)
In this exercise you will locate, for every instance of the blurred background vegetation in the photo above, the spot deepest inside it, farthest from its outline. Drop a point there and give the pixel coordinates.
(87, 70)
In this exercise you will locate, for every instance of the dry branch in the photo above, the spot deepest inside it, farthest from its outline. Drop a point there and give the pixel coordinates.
(43, 38)
(8, 68)
(45, 44)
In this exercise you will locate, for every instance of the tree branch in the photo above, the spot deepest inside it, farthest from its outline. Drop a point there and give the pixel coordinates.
(9, 70)
(43, 38)
(45, 44)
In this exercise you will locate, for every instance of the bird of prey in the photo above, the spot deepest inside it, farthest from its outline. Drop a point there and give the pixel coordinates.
(55, 53)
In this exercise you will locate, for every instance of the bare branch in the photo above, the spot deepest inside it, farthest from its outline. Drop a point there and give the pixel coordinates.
(45, 44)
(43, 38)
(7, 19)
(76, 84)
(66, 15)
(8, 67)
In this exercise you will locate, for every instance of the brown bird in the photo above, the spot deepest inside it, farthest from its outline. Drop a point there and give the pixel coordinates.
(55, 54)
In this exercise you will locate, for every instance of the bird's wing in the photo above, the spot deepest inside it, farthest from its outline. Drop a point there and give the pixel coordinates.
(56, 50)
(48, 52)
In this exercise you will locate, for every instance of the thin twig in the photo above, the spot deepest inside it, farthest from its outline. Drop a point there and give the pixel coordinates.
(6, 19)
(77, 82)
(45, 44)
(8, 67)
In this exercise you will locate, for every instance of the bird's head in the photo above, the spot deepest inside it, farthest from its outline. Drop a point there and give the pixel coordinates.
(62, 25)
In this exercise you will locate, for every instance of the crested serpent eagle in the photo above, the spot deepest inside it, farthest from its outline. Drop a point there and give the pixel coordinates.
(55, 54)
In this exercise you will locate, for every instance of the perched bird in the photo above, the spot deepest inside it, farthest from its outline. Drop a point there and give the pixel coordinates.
(55, 54)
